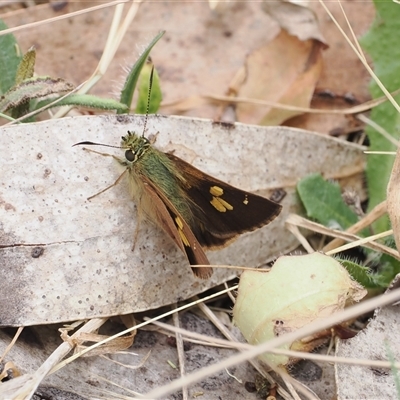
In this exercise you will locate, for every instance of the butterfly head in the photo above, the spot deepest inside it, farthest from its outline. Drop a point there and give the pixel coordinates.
(135, 145)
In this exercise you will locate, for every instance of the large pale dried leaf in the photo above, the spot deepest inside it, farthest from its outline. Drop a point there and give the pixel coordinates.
(66, 258)
(285, 71)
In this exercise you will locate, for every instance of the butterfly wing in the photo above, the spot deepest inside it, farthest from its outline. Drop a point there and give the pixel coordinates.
(177, 228)
(221, 211)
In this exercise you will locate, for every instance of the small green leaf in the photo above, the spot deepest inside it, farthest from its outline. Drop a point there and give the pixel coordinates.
(131, 80)
(26, 67)
(87, 100)
(9, 59)
(323, 202)
(144, 90)
(387, 270)
(25, 71)
(362, 274)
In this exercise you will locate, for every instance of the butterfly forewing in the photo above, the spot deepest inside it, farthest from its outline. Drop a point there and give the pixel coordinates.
(221, 211)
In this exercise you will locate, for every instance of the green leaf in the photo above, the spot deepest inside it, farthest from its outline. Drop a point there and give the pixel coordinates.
(388, 269)
(26, 67)
(131, 80)
(32, 89)
(381, 43)
(144, 90)
(362, 274)
(9, 59)
(323, 202)
(87, 100)
(25, 70)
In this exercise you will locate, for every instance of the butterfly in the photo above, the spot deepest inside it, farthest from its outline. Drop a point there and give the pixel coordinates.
(196, 210)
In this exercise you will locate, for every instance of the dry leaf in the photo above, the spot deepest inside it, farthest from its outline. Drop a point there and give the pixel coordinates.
(65, 258)
(285, 71)
(296, 18)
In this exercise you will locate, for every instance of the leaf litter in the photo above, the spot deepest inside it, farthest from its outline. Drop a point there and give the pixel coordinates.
(206, 107)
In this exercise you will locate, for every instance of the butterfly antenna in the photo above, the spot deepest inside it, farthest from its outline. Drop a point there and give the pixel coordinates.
(95, 144)
(148, 99)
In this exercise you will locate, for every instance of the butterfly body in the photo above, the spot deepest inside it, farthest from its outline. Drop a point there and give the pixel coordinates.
(147, 165)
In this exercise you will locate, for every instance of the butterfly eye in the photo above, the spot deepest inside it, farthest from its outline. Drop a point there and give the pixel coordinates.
(130, 155)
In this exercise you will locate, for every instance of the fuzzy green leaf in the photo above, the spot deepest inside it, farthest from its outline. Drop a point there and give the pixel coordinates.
(9, 59)
(32, 89)
(323, 202)
(131, 80)
(89, 101)
(362, 274)
(381, 43)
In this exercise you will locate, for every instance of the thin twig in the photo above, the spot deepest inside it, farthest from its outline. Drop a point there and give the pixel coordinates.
(181, 352)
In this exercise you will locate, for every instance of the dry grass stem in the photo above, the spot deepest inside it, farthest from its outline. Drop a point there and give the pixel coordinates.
(133, 367)
(61, 17)
(191, 102)
(348, 237)
(210, 341)
(379, 129)
(234, 267)
(377, 212)
(50, 365)
(349, 313)
(361, 57)
(222, 328)
(181, 352)
(115, 36)
(300, 237)
(127, 331)
(13, 341)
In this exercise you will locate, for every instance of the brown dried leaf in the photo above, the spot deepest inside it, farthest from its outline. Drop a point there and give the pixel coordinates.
(286, 71)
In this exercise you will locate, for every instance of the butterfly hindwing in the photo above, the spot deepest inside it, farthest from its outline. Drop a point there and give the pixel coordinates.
(177, 228)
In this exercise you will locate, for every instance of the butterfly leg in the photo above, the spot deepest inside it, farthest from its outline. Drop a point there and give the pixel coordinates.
(139, 216)
(109, 187)
(102, 154)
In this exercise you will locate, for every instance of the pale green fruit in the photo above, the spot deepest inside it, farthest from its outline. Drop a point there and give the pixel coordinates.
(297, 290)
